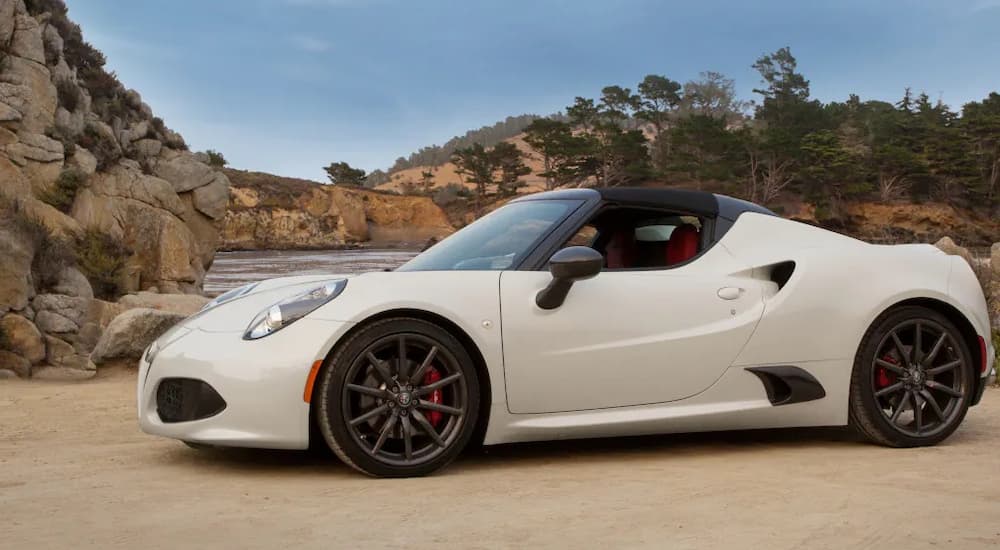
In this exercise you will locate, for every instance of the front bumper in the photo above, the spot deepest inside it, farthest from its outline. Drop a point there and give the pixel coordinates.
(261, 383)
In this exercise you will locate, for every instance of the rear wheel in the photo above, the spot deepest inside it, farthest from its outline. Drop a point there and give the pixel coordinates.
(399, 398)
(913, 379)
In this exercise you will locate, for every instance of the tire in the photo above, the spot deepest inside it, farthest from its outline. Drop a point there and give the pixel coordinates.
(387, 423)
(908, 395)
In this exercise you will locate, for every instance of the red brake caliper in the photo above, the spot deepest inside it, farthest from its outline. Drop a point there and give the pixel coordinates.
(883, 377)
(432, 375)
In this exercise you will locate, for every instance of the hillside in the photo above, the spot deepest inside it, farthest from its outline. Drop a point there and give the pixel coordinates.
(445, 174)
(273, 212)
(98, 197)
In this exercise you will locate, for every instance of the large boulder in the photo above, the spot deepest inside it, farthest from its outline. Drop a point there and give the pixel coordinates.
(8, 10)
(212, 199)
(123, 182)
(60, 353)
(51, 322)
(40, 159)
(27, 40)
(16, 286)
(184, 172)
(72, 308)
(27, 95)
(145, 214)
(74, 284)
(131, 333)
(22, 337)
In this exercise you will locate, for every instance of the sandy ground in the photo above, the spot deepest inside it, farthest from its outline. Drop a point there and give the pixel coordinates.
(76, 472)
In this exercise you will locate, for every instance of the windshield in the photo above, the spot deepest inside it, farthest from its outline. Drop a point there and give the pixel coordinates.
(496, 241)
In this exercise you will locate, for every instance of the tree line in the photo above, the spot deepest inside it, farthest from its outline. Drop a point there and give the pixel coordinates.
(785, 141)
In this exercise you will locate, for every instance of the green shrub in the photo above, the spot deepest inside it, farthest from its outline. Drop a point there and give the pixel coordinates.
(104, 148)
(37, 7)
(63, 193)
(216, 159)
(158, 125)
(102, 258)
(447, 194)
(52, 253)
(68, 93)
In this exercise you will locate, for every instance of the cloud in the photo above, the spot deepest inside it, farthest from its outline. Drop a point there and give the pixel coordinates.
(310, 44)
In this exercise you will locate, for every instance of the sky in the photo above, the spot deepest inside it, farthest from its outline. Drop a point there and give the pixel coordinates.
(288, 86)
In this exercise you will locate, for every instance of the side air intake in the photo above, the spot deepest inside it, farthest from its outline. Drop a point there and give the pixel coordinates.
(787, 384)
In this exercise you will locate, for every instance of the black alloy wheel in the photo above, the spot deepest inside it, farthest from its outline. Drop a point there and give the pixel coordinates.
(399, 398)
(915, 380)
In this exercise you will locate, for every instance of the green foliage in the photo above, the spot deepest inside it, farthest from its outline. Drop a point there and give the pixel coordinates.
(563, 153)
(702, 148)
(499, 168)
(102, 259)
(68, 93)
(341, 173)
(52, 253)
(62, 194)
(376, 178)
(216, 159)
(38, 7)
(475, 164)
(450, 193)
(103, 147)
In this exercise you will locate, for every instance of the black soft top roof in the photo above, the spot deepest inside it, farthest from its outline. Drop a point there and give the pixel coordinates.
(700, 203)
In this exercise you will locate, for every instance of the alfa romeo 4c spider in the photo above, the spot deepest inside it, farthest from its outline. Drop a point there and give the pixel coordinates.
(583, 313)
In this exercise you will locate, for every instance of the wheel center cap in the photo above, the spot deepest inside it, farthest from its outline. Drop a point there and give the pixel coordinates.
(916, 377)
(404, 399)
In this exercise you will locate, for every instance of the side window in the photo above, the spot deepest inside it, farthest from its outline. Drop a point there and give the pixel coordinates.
(643, 239)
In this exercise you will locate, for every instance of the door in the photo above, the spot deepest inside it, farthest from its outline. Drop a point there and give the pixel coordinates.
(626, 337)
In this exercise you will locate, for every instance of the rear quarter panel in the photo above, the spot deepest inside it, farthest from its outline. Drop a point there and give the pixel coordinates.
(839, 286)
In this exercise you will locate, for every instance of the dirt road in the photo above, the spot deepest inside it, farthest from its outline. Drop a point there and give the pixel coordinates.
(76, 472)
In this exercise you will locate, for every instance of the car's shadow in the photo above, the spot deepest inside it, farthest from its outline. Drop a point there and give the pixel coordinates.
(527, 455)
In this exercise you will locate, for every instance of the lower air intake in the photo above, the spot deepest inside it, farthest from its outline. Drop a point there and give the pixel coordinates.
(186, 399)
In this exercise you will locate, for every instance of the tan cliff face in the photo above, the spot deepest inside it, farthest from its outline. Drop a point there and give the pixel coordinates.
(271, 212)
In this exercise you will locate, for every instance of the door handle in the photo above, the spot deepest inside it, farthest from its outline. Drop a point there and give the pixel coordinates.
(730, 292)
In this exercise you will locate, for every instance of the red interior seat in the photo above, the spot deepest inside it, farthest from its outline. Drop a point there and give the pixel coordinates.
(621, 250)
(683, 244)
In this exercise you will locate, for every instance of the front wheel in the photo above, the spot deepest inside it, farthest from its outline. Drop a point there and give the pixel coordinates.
(913, 379)
(398, 398)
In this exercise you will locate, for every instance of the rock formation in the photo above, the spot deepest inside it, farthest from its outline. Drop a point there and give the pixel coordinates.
(271, 212)
(96, 194)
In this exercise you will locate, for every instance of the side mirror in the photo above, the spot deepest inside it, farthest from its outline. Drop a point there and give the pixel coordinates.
(568, 266)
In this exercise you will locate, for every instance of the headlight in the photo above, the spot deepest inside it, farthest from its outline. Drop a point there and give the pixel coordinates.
(288, 311)
(231, 295)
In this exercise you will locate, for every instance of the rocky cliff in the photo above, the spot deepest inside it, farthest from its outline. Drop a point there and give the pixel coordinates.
(97, 195)
(271, 212)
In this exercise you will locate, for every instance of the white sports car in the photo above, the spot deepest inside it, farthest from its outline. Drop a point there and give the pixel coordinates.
(583, 313)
